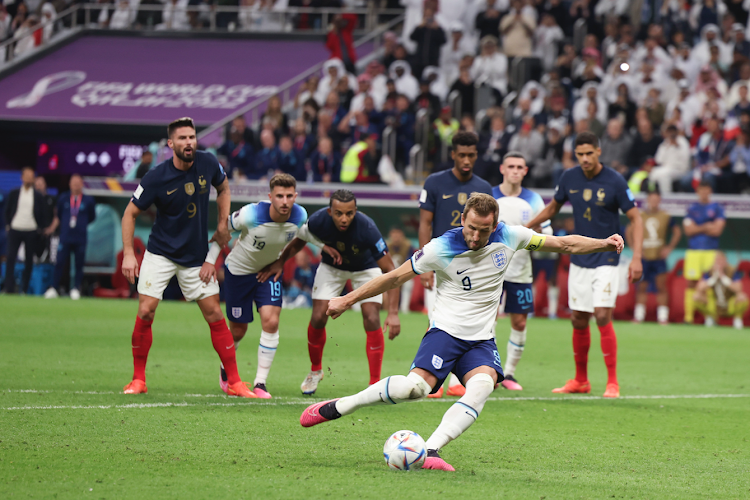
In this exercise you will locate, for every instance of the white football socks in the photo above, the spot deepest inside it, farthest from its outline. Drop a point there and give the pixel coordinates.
(463, 413)
(390, 390)
(552, 297)
(516, 342)
(662, 314)
(266, 351)
(639, 314)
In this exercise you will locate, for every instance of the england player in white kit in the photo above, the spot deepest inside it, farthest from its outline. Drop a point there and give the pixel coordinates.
(518, 206)
(469, 264)
(265, 229)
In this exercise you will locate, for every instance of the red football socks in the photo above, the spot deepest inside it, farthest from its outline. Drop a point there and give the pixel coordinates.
(375, 347)
(141, 343)
(581, 344)
(223, 343)
(609, 350)
(316, 341)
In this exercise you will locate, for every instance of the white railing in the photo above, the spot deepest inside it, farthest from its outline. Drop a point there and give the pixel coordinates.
(198, 18)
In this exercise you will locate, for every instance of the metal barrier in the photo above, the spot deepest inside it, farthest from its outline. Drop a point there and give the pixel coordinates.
(416, 161)
(580, 30)
(389, 143)
(67, 18)
(455, 101)
(422, 128)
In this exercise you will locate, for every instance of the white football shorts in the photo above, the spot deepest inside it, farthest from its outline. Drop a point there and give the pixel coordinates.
(157, 270)
(330, 282)
(592, 287)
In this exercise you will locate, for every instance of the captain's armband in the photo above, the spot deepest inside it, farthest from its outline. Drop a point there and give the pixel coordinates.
(536, 242)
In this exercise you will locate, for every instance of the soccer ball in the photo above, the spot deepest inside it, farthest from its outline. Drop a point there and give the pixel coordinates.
(405, 450)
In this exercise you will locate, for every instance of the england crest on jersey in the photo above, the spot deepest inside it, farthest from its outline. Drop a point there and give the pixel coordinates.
(290, 235)
(500, 259)
(237, 312)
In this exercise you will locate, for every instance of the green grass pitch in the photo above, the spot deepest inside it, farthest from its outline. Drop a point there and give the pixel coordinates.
(680, 431)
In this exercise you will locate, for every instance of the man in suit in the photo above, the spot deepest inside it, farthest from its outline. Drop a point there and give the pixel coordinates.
(43, 244)
(24, 214)
(75, 211)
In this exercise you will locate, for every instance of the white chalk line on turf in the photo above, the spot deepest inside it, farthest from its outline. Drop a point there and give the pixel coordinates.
(307, 401)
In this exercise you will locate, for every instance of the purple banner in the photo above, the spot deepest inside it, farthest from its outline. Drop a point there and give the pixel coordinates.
(87, 158)
(104, 79)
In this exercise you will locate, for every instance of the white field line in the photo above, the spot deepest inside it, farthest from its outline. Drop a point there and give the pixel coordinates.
(307, 401)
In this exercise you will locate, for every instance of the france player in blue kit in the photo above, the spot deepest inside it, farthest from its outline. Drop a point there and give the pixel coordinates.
(363, 256)
(470, 263)
(179, 188)
(597, 194)
(441, 204)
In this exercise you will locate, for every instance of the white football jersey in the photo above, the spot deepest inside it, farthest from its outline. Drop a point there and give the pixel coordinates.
(518, 211)
(470, 282)
(261, 239)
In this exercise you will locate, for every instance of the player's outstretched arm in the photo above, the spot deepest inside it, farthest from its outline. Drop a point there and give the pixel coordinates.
(425, 233)
(392, 325)
(129, 262)
(580, 245)
(552, 209)
(382, 283)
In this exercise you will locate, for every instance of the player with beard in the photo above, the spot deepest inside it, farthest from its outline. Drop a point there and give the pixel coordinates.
(179, 188)
(441, 204)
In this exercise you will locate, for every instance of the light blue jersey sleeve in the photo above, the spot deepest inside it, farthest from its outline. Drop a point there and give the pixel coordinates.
(438, 253)
(244, 218)
(299, 216)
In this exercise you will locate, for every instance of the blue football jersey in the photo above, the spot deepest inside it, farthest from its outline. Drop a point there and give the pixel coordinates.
(596, 208)
(445, 195)
(181, 199)
(700, 214)
(360, 246)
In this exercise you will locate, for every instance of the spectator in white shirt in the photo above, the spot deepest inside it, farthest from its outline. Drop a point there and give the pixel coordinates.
(406, 84)
(175, 16)
(546, 37)
(672, 158)
(491, 66)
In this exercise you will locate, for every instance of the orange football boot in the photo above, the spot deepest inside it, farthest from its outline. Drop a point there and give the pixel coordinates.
(613, 391)
(137, 386)
(438, 394)
(573, 386)
(240, 389)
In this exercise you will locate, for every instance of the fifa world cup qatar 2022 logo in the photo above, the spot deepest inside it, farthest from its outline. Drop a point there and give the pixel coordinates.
(45, 86)
(140, 94)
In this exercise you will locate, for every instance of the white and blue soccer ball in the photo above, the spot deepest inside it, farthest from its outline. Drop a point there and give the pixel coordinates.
(405, 450)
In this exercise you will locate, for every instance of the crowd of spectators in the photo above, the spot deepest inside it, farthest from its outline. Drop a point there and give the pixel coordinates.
(665, 87)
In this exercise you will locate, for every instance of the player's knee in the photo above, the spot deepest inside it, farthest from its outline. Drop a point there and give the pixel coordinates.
(270, 325)
(518, 322)
(146, 312)
(415, 387)
(602, 316)
(478, 389)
